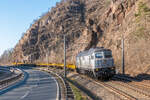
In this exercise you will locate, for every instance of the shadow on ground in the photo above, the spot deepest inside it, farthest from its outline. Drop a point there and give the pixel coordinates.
(127, 78)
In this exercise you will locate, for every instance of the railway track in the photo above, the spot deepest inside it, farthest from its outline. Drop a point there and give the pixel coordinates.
(132, 90)
(142, 90)
(122, 95)
(134, 82)
(116, 91)
(125, 90)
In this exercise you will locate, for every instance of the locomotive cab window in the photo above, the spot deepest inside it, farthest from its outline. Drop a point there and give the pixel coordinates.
(107, 54)
(99, 55)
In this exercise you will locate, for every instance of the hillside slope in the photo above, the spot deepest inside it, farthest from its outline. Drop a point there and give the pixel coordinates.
(86, 24)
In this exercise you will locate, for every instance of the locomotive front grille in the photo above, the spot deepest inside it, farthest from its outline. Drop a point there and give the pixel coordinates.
(100, 71)
(104, 63)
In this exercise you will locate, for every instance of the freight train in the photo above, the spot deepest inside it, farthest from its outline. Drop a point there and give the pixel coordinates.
(96, 62)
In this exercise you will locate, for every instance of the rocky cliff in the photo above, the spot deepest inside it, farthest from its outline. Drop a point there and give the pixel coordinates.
(86, 24)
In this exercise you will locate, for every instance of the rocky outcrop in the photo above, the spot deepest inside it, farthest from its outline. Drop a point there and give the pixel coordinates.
(86, 24)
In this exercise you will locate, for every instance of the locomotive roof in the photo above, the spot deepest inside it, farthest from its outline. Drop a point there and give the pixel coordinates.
(90, 51)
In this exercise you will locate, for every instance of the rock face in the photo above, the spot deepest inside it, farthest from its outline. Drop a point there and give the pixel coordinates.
(86, 24)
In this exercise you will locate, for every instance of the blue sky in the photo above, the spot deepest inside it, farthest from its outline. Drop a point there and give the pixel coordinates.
(16, 17)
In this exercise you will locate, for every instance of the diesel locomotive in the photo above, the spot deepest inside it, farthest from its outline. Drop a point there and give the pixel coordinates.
(96, 62)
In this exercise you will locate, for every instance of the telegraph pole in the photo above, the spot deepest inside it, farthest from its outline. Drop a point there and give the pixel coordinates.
(47, 57)
(64, 56)
(123, 64)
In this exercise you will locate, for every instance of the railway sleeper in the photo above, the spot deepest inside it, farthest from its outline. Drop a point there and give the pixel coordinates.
(127, 96)
(137, 89)
(133, 85)
(115, 90)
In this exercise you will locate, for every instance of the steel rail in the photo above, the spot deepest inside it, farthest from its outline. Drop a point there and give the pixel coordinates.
(135, 86)
(112, 89)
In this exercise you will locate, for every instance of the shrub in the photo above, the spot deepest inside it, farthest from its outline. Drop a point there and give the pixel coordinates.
(142, 9)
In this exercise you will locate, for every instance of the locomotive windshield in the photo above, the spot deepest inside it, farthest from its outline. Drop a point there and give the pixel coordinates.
(99, 55)
(107, 54)
(104, 54)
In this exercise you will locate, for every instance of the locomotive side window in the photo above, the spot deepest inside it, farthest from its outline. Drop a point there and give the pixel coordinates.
(80, 61)
(92, 57)
(99, 55)
(107, 54)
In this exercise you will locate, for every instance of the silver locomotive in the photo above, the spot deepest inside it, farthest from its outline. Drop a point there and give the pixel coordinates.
(96, 62)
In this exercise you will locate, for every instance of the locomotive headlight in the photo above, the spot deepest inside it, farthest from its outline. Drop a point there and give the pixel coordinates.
(96, 69)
